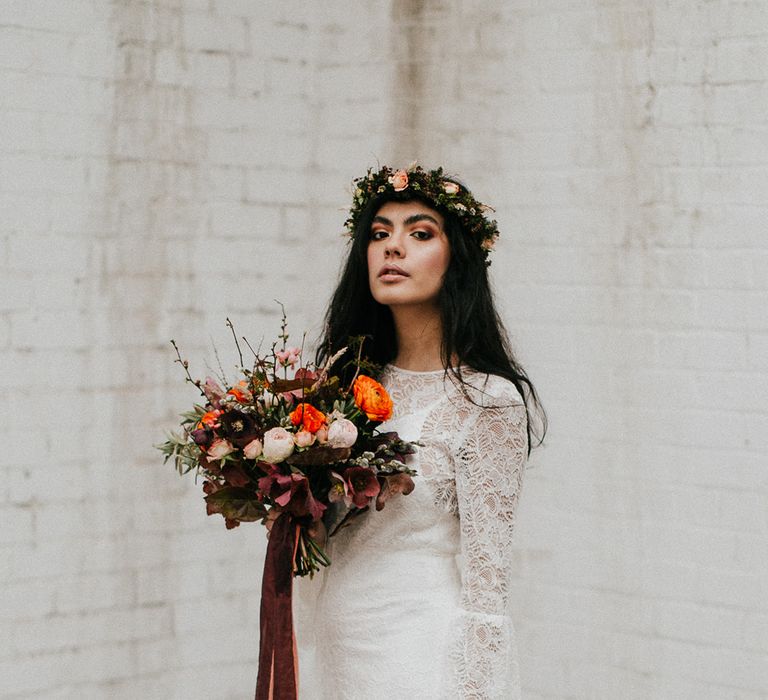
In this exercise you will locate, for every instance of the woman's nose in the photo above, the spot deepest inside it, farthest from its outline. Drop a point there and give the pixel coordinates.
(393, 248)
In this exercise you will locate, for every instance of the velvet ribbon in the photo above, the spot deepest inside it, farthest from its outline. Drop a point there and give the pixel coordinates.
(277, 678)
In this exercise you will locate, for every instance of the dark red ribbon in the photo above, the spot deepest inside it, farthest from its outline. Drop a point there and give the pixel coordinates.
(277, 659)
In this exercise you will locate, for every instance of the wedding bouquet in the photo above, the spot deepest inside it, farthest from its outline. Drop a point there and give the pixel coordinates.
(291, 439)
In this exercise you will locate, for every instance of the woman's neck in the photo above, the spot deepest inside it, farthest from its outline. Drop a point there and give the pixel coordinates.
(419, 338)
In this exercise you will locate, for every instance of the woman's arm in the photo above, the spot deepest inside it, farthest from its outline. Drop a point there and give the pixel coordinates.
(489, 471)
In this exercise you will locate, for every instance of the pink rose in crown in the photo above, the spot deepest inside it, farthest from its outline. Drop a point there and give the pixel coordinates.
(450, 187)
(399, 180)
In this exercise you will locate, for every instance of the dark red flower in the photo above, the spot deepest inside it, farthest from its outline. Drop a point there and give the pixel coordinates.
(292, 493)
(363, 485)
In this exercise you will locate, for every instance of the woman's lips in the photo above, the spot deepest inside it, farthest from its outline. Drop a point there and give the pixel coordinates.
(392, 273)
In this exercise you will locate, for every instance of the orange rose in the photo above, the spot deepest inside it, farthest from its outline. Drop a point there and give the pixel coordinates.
(308, 417)
(399, 180)
(372, 398)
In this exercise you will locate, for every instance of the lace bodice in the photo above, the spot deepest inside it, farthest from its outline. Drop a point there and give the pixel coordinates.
(422, 588)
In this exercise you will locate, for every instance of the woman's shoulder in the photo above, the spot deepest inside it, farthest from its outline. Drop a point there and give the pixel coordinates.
(489, 390)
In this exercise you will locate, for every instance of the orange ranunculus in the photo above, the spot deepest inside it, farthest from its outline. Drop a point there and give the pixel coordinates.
(308, 417)
(210, 419)
(241, 392)
(372, 398)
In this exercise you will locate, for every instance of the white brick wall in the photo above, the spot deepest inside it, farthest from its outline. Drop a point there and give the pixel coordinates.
(166, 163)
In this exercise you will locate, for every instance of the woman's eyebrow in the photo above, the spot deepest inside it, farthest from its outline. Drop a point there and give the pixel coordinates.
(421, 217)
(415, 218)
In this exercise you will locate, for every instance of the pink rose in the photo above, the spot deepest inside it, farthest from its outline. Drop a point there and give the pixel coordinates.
(278, 444)
(342, 433)
(303, 438)
(219, 448)
(450, 187)
(322, 435)
(399, 180)
(253, 449)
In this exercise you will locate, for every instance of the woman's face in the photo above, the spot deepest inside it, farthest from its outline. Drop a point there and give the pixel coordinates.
(408, 254)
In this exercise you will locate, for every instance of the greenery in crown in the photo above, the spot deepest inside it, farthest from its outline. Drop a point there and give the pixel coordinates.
(431, 185)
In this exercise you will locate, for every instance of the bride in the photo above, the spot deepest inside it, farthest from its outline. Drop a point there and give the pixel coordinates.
(416, 603)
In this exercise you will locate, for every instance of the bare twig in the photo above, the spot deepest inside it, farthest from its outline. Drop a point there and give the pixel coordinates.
(185, 365)
(237, 345)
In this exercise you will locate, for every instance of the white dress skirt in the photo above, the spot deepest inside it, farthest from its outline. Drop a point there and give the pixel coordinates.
(416, 601)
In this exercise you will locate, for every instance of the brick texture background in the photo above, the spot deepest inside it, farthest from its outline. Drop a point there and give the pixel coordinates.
(167, 163)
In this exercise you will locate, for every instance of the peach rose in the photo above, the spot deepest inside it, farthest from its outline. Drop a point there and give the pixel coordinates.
(303, 438)
(399, 180)
(372, 399)
(278, 445)
(253, 449)
(220, 448)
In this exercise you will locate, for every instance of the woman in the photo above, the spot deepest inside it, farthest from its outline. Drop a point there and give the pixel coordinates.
(415, 604)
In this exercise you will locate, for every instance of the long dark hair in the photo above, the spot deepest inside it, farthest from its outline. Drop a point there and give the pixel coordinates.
(473, 332)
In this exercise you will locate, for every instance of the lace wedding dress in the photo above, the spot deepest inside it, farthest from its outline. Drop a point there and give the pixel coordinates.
(415, 603)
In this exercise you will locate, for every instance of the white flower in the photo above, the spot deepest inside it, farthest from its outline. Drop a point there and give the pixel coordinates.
(342, 433)
(219, 448)
(253, 449)
(278, 444)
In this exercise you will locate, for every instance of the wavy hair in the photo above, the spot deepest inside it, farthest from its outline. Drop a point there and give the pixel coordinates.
(473, 332)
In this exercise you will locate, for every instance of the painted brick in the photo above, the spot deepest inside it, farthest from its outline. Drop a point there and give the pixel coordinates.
(206, 32)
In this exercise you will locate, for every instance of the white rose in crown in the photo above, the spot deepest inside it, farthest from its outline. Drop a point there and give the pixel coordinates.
(342, 433)
(278, 444)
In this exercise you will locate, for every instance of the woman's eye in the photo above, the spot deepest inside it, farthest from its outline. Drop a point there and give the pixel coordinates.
(378, 235)
(422, 235)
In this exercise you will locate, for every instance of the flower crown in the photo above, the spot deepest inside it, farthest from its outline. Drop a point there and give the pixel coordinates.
(432, 185)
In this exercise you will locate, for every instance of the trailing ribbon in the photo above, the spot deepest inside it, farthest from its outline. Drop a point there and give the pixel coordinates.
(277, 678)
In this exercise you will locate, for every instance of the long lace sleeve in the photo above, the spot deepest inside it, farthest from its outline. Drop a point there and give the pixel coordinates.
(489, 470)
